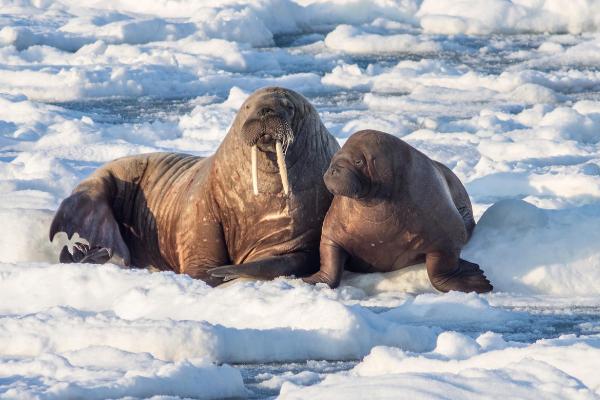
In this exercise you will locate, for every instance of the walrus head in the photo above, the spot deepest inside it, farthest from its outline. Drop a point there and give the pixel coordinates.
(272, 116)
(362, 169)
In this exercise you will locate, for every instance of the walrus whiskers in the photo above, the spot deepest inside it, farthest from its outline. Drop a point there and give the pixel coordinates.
(282, 167)
(254, 170)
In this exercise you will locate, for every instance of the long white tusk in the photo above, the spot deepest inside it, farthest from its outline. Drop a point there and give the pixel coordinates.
(282, 167)
(254, 170)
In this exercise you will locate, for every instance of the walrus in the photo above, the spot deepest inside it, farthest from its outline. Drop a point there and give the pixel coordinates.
(255, 207)
(395, 207)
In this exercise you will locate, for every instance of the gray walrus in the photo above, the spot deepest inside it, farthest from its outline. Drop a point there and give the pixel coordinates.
(395, 207)
(258, 201)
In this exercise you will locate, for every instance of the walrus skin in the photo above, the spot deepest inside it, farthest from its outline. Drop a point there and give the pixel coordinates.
(190, 214)
(395, 207)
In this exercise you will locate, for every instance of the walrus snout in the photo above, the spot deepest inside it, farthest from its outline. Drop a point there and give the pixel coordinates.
(266, 143)
(264, 131)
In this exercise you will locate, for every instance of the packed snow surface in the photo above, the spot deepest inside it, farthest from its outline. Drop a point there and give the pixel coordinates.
(505, 93)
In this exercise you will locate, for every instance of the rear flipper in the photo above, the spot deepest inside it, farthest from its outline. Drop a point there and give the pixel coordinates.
(93, 220)
(83, 254)
(297, 264)
(466, 277)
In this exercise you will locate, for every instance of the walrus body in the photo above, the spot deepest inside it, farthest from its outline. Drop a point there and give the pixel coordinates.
(258, 201)
(394, 207)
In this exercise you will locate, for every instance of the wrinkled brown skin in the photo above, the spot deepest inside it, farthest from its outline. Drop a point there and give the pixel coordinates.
(190, 214)
(395, 207)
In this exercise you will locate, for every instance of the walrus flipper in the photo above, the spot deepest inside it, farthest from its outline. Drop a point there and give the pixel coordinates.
(446, 276)
(296, 264)
(333, 258)
(82, 253)
(93, 220)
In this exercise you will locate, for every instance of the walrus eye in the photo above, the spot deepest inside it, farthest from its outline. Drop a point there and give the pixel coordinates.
(289, 106)
(358, 163)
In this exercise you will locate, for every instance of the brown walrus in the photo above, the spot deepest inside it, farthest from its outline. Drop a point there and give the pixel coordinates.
(395, 207)
(258, 201)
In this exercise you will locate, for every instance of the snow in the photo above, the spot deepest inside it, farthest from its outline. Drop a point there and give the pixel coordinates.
(504, 92)
(539, 251)
(461, 367)
(104, 372)
(508, 16)
(348, 39)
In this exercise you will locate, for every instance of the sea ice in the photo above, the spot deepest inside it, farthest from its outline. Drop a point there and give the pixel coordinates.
(504, 92)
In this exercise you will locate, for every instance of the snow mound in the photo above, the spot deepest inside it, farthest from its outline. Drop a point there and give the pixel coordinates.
(526, 249)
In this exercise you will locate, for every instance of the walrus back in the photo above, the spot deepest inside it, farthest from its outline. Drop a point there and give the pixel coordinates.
(148, 203)
(459, 196)
(119, 209)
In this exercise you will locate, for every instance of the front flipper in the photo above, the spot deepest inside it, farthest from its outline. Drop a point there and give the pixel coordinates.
(333, 259)
(445, 275)
(297, 264)
(93, 220)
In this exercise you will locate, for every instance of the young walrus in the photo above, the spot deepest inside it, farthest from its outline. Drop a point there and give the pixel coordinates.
(395, 207)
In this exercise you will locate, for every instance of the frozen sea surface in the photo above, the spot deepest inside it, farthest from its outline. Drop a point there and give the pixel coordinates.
(506, 93)
(541, 322)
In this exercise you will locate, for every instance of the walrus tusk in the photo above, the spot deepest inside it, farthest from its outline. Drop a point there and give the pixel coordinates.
(282, 167)
(254, 170)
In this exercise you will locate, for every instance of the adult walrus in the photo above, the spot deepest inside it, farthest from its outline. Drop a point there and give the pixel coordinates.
(395, 207)
(258, 201)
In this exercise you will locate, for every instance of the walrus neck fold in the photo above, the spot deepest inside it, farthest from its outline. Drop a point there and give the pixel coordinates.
(376, 206)
(373, 210)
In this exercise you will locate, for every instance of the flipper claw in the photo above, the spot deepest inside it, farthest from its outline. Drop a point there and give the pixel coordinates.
(93, 220)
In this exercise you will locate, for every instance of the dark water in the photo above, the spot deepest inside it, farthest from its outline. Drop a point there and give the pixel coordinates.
(253, 374)
(130, 110)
